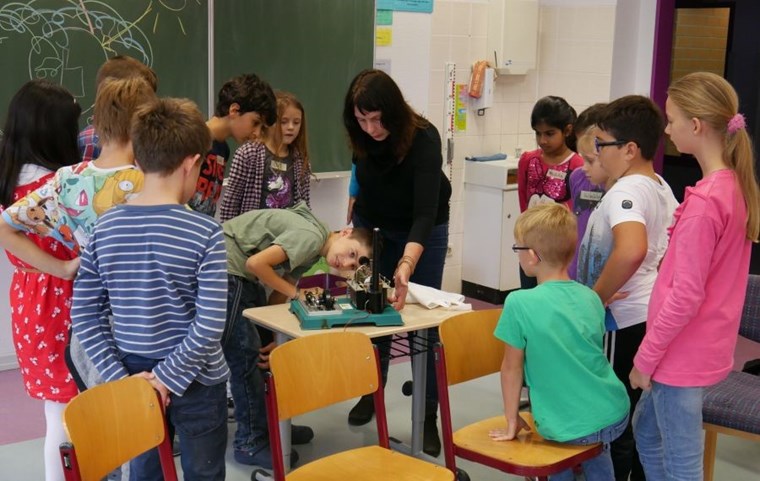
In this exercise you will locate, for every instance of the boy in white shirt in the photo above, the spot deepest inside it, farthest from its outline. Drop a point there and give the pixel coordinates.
(625, 240)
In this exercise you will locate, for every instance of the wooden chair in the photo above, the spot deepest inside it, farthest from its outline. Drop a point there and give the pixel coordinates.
(112, 423)
(468, 350)
(312, 372)
(733, 405)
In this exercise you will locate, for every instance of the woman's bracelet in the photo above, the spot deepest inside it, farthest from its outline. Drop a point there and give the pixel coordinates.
(408, 260)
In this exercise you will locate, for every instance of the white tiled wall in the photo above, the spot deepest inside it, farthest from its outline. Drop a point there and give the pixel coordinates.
(574, 61)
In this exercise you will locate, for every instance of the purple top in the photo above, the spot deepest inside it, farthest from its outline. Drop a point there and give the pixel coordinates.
(585, 197)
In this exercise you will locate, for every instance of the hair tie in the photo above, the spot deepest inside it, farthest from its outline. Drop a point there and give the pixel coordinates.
(736, 123)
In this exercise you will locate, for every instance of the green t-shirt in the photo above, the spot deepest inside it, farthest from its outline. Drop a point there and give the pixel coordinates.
(296, 230)
(573, 390)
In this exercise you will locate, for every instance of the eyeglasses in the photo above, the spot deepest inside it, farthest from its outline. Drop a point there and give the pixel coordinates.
(516, 248)
(599, 144)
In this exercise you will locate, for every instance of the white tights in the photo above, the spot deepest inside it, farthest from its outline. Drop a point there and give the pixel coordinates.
(54, 436)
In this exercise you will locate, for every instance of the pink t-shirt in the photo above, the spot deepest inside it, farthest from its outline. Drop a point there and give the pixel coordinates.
(697, 300)
(539, 182)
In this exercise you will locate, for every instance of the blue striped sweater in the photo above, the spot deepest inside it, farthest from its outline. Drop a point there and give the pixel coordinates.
(153, 282)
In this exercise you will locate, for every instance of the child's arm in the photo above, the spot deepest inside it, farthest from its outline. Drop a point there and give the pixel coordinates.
(202, 341)
(690, 255)
(629, 249)
(18, 244)
(90, 319)
(262, 266)
(522, 181)
(240, 178)
(511, 385)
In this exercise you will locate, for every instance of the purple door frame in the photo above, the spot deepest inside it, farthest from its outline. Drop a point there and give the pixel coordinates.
(663, 53)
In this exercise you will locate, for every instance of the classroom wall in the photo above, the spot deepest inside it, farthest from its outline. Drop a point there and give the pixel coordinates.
(457, 32)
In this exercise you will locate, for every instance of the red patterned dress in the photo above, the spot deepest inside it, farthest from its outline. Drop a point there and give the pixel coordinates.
(40, 305)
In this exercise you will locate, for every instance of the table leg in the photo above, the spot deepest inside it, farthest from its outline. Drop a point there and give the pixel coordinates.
(419, 384)
(285, 424)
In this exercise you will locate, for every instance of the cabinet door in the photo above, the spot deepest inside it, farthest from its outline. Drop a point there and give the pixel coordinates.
(510, 266)
(482, 235)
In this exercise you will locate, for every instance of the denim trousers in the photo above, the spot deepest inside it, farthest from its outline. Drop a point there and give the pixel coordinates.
(199, 417)
(241, 344)
(667, 425)
(598, 468)
(428, 272)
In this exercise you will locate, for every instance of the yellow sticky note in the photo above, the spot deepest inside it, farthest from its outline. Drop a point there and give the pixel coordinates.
(383, 36)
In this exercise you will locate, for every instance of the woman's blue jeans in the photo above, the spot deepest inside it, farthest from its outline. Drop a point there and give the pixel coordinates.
(667, 425)
(428, 272)
(598, 468)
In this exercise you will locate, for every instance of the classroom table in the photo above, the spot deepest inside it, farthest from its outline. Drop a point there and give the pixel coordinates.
(418, 319)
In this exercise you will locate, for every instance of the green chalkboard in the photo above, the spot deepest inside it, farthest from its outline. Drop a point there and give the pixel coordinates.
(66, 41)
(312, 48)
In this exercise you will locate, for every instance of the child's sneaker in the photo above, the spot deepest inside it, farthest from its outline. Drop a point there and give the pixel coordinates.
(261, 457)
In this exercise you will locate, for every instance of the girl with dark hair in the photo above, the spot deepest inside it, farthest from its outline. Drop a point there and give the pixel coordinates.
(404, 192)
(40, 136)
(543, 175)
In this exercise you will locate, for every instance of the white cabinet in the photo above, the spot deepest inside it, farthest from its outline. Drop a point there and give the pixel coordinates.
(512, 36)
(489, 267)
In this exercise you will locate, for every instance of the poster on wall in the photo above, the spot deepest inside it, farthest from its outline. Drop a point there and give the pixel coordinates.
(422, 6)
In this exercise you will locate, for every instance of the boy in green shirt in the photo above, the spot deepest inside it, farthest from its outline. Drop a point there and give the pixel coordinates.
(261, 243)
(554, 334)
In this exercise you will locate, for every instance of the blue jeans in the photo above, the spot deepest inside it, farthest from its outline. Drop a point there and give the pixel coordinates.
(199, 417)
(667, 425)
(241, 344)
(428, 272)
(598, 468)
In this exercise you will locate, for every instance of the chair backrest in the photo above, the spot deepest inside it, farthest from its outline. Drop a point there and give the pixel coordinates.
(112, 423)
(315, 371)
(750, 324)
(471, 349)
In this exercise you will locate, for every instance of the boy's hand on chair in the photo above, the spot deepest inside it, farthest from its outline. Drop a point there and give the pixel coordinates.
(513, 429)
(157, 385)
(639, 380)
(264, 355)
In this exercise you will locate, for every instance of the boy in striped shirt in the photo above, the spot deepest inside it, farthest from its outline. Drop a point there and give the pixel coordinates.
(150, 297)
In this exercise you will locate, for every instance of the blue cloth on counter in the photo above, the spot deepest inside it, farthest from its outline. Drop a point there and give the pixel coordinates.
(485, 158)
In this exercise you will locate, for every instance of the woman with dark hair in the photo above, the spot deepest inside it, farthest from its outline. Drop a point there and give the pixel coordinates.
(40, 136)
(404, 192)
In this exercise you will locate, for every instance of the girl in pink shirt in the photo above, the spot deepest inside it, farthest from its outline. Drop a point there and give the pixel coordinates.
(696, 303)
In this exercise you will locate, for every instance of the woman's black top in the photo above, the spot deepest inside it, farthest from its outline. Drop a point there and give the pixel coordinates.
(411, 195)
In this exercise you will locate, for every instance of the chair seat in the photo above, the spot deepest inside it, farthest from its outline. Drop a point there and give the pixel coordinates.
(371, 463)
(530, 454)
(734, 403)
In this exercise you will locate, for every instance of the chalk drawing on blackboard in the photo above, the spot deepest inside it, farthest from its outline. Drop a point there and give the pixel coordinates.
(95, 28)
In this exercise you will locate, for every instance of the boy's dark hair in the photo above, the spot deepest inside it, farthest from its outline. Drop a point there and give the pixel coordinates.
(637, 119)
(555, 112)
(40, 129)
(124, 67)
(588, 118)
(364, 236)
(252, 94)
(375, 91)
(167, 131)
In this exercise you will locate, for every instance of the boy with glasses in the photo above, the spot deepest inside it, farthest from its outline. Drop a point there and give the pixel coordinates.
(625, 240)
(553, 334)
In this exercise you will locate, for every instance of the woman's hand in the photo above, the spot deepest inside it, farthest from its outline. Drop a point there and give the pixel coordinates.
(401, 282)
(350, 213)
